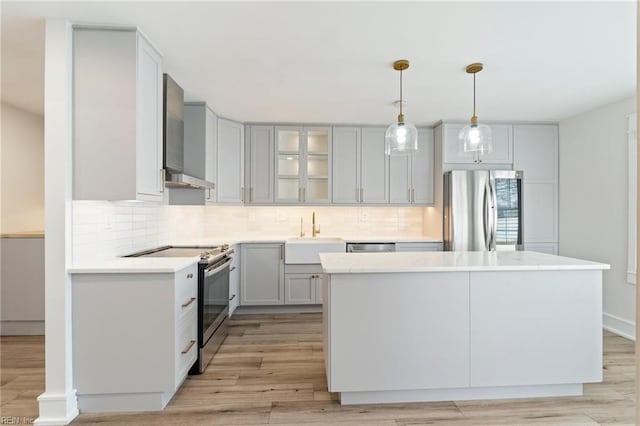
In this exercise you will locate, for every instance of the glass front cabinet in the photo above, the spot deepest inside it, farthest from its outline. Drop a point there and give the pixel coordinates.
(303, 165)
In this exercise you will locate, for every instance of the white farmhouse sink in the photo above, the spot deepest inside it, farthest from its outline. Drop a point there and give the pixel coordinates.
(306, 250)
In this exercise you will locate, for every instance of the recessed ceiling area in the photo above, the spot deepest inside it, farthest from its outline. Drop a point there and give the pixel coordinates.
(320, 62)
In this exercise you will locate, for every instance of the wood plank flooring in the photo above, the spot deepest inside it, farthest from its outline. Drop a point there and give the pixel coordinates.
(270, 370)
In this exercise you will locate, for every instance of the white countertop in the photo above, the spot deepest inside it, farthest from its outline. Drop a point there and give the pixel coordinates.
(360, 263)
(134, 265)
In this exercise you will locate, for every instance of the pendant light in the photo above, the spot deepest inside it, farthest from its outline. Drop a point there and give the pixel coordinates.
(475, 137)
(401, 138)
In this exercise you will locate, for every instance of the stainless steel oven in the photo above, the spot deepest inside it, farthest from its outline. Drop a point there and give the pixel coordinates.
(213, 309)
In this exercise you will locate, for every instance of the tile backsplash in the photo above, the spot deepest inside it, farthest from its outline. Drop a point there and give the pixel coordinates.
(103, 229)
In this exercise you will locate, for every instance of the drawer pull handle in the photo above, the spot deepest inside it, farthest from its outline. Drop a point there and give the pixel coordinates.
(185, 304)
(188, 348)
(233, 268)
(232, 297)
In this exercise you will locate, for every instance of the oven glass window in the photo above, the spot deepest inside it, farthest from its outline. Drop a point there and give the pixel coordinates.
(215, 297)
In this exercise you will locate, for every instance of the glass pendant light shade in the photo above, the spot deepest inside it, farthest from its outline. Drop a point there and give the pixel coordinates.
(401, 139)
(476, 138)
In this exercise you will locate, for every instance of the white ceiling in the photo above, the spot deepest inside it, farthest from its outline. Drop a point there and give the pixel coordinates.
(331, 62)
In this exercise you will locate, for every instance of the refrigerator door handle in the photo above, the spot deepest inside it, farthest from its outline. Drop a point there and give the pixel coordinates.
(494, 216)
(485, 217)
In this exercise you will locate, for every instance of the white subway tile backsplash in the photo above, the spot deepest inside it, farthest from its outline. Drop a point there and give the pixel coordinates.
(104, 229)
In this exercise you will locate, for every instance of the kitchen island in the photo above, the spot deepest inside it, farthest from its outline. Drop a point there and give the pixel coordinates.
(403, 327)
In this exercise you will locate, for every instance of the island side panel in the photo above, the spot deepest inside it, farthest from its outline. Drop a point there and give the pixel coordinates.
(536, 327)
(398, 331)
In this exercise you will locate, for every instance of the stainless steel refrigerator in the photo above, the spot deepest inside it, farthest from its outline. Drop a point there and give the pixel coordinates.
(483, 210)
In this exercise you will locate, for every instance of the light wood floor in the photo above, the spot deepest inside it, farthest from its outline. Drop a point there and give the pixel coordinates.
(270, 371)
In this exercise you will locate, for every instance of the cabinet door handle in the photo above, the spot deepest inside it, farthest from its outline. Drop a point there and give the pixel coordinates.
(191, 300)
(233, 268)
(163, 175)
(357, 195)
(413, 195)
(281, 251)
(242, 193)
(189, 275)
(188, 347)
(304, 195)
(251, 195)
(299, 194)
(409, 194)
(232, 297)
(362, 195)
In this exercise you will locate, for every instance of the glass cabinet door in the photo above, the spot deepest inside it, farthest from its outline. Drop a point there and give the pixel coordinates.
(303, 169)
(317, 165)
(288, 157)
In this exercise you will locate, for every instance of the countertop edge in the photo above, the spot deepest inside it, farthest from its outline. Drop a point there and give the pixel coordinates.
(391, 270)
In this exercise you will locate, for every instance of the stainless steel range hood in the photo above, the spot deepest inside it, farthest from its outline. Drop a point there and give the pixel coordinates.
(173, 139)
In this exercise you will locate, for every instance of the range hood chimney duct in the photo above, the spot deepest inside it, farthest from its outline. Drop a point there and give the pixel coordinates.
(173, 139)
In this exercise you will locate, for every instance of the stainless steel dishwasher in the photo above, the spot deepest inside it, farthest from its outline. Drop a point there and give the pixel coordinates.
(370, 247)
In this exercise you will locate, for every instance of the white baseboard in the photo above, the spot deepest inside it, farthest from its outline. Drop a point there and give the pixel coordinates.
(57, 408)
(108, 403)
(619, 326)
(278, 309)
(22, 328)
(459, 394)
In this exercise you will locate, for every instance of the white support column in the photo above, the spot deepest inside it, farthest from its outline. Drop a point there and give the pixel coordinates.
(58, 404)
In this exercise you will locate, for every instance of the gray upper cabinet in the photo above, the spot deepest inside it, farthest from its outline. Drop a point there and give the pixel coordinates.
(259, 164)
(117, 116)
(411, 178)
(502, 152)
(346, 165)
(303, 165)
(360, 167)
(535, 149)
(230, 181)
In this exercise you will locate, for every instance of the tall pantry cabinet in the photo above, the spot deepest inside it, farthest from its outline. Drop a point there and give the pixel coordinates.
(117, 98)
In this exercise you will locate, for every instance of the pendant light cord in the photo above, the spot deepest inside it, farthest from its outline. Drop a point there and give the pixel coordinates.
(400, 92)
(474, 94)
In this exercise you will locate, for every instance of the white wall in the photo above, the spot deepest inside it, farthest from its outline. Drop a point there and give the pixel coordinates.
(22, 170)
(593, 202)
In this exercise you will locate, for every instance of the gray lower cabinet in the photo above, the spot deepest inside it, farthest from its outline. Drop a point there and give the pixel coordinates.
(262, 277)
(234, 281)
(303, 285)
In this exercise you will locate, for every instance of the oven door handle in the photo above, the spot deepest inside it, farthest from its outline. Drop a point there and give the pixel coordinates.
(208, 272)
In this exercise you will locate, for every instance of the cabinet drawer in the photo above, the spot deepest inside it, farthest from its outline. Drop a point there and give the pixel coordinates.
(186, 345)
(186, 290)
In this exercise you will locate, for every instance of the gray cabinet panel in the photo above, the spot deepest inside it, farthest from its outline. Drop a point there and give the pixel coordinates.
(374, 167)
(262, 278)
(261, 164)
(230, 183)
(346, 146)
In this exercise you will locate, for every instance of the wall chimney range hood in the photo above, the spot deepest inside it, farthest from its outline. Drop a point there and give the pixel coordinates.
(173, 139)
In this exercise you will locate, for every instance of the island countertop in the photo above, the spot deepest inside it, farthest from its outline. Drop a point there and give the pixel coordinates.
(362, 263)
